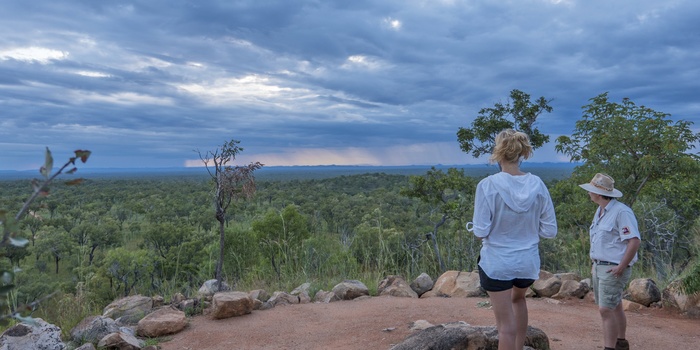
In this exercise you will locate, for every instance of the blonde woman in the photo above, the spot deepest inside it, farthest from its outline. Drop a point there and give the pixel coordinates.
(512, 210)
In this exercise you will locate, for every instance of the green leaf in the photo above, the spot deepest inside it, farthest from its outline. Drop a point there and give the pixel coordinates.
(83, 155)
(48, 164)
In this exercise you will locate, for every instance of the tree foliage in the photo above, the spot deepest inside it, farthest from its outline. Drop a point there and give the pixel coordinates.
(633, 144)
(11, 226)
(649, 157)
(281, 233)
(448, 196)
(518, 113)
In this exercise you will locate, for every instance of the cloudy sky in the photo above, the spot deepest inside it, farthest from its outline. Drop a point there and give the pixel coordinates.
(308, 82)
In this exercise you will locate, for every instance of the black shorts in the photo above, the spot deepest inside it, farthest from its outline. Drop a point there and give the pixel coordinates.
(491, 285)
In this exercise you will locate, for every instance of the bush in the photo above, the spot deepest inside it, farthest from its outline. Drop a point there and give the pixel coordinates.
(691, 282)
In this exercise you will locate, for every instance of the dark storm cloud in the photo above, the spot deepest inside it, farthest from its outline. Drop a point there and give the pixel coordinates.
(308, 81)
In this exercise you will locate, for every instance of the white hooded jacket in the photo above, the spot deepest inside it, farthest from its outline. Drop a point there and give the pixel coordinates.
(511, 213)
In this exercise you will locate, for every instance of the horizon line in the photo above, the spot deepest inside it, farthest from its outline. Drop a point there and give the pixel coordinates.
(303, 166)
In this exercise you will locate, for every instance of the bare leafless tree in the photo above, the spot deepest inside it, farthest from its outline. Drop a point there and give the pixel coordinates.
(660, 227)
(231, 183)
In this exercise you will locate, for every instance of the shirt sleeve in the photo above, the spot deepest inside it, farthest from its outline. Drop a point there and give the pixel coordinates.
(482, 213)
(548, 219)
(627, 225)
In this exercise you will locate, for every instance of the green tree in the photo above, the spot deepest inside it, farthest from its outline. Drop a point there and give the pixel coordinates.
(231, 183)
(105, 235)
(14, 254)
(33, 223)
(57, 244)
(448, 195)
(649, 157)
(121, 214)
(128, 267)
(519, 113)
(634, 144)
(282, 234)
(10, 224)
(376, 244)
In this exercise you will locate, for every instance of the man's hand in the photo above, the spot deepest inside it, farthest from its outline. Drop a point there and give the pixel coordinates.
(617, 270)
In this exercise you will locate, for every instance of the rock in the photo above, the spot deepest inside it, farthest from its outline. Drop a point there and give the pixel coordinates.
(259, 294)
(231, 304)
(211, 287)
(457, 284)
(420, 325)
(422, 284)
(188, 305)
(129, 310)
(41, 336)
(568, 276)
(87, 346)
(325, 297)
(631, 305)
(130, 330)
(302, 292)
(158, 301)
(93, 328)
(350, 289)
(643, 291)
(177, 298)
(395, 286)
(545, 275)
(571, 289)
(459, 335)
(280, 298)
(546, 288)
(161, 322)
(121, 341)
(674, 297)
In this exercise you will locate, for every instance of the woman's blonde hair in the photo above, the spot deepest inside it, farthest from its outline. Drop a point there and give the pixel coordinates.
(510, 146)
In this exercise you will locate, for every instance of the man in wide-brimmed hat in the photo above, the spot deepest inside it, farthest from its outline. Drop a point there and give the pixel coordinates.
(615, 240)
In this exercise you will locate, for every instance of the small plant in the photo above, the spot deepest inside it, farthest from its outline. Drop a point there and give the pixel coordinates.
(197, 309)
(484, 304)
(155, 341)
(691, 282)
(10, 229)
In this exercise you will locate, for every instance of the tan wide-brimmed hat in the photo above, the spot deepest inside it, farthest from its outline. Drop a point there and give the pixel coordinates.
(602, 184)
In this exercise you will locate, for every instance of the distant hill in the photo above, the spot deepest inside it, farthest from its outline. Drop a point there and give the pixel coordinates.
(546, 171)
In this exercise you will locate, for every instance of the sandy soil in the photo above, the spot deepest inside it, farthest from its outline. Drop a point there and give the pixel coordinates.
(380, 322)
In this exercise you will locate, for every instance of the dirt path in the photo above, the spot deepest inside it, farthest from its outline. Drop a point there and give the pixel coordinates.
(364, 324)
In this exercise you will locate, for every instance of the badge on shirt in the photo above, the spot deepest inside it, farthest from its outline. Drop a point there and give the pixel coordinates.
(625, 230)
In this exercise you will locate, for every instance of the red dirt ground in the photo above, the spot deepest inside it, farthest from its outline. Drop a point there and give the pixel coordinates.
(380, 322)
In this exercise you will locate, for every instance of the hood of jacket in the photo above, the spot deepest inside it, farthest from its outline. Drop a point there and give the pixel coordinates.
(518, 192)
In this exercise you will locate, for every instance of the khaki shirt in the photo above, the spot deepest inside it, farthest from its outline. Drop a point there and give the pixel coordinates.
(610, 232)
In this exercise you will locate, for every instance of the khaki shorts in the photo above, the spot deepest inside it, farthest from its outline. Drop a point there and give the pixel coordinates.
(606, 287)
